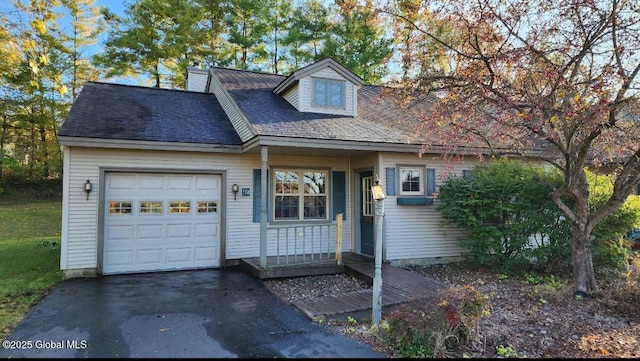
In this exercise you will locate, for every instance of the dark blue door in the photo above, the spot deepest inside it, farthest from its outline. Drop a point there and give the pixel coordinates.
(367, 212)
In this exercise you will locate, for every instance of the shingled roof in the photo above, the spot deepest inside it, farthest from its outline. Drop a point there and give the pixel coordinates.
(271, 115)
(123, 112)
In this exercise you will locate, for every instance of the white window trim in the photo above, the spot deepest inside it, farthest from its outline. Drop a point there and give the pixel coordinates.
(343, 84)
(300, 194)
(422, 182)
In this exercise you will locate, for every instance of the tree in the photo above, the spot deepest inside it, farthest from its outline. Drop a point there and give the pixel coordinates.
(547, 80)
(246, 32)
(154, 40)
(278, 17)
(309, 28)
(356, 40)
(34, 91)
(86, 25)
(213, 48)
(411, 44)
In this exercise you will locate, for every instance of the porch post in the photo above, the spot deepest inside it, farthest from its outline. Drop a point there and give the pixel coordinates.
(264, 156)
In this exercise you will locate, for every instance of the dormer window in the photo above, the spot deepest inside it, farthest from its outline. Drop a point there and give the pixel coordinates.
(329, 93)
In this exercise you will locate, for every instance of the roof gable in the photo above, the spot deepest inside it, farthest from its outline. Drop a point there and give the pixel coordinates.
(314, 68)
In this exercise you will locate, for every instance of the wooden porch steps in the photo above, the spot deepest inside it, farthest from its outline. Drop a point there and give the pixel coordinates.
(398, 286)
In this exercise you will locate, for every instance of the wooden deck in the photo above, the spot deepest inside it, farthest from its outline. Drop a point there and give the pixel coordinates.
(315, 264)
(398, 286)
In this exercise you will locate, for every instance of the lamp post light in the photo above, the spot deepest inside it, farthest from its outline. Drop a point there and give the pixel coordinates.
(378, 194)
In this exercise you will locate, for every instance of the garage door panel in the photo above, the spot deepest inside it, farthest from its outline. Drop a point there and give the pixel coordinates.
(151, 183)
(180, 183)
(121, 182)
(178, 255)
(150, 231)
(205, 253)
(206, 230)
(120, 232)
(204, 184)
(119, 258)
(149, 256)
(178, 230)
(157, 222)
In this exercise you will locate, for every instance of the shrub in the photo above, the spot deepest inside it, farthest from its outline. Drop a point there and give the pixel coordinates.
(511, 222)
(609, 246)
(501, 206)
(624, 288)
(410, 331)
(463, 308)
(426, 330)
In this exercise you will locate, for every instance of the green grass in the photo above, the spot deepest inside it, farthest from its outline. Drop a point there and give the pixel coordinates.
(29, 255)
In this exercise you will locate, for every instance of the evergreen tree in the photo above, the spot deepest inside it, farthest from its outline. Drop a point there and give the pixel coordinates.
(357, 40)
(309, 28)
(246, 33)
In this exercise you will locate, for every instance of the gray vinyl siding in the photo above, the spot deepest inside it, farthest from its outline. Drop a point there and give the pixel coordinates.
(292, 96)
(238, 120)
(80, 231)
(197, 80)
(415, 232)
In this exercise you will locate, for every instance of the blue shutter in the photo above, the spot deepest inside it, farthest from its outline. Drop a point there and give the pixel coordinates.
(391, 181)
(339, 196)
(431, 184)
(257, 191)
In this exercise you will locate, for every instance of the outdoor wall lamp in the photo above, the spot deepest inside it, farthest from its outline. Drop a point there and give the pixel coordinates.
(234, 189)
(87, 188)
(376, 191)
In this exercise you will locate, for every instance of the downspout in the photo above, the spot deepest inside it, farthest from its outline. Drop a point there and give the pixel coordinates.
(264, 156)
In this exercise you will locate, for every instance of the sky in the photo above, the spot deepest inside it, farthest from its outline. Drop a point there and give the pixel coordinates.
(116, 6)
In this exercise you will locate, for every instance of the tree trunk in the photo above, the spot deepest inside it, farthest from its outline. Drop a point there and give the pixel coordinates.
(583, 274)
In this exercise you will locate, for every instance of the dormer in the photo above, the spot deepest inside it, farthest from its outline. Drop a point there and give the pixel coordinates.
(322, 87)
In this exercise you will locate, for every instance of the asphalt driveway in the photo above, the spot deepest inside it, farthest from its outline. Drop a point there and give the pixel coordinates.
(204, 313)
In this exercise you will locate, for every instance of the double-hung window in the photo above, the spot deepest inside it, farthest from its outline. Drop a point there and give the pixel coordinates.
(412, 181)
(300, 194)
(329, 93)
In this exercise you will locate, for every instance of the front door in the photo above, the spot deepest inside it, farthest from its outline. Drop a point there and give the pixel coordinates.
(367, 210)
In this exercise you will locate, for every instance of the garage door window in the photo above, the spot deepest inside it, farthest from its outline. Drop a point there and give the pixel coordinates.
(151, 207)
(180, 207)
(207, 207)
(120, 207)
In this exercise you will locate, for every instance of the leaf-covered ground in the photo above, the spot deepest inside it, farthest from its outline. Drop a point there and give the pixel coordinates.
(530, 317)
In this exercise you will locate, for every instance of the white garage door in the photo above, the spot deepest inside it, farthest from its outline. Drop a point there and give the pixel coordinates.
(158, 222)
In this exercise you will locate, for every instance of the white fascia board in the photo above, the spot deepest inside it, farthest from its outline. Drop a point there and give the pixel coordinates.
(147, 145)
(328, 144)
(315, 67)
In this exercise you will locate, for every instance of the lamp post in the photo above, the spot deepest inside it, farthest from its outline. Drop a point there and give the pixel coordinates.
(378, 195)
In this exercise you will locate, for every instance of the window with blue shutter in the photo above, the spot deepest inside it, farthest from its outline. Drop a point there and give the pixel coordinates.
(391, 181)
(257, 191)
(416, 185)
(431, 185)
(339, 196)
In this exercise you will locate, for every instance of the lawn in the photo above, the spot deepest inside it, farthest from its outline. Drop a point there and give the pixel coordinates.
(29, 254)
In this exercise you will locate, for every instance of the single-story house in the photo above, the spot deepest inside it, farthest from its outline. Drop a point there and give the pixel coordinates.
(244, 164)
